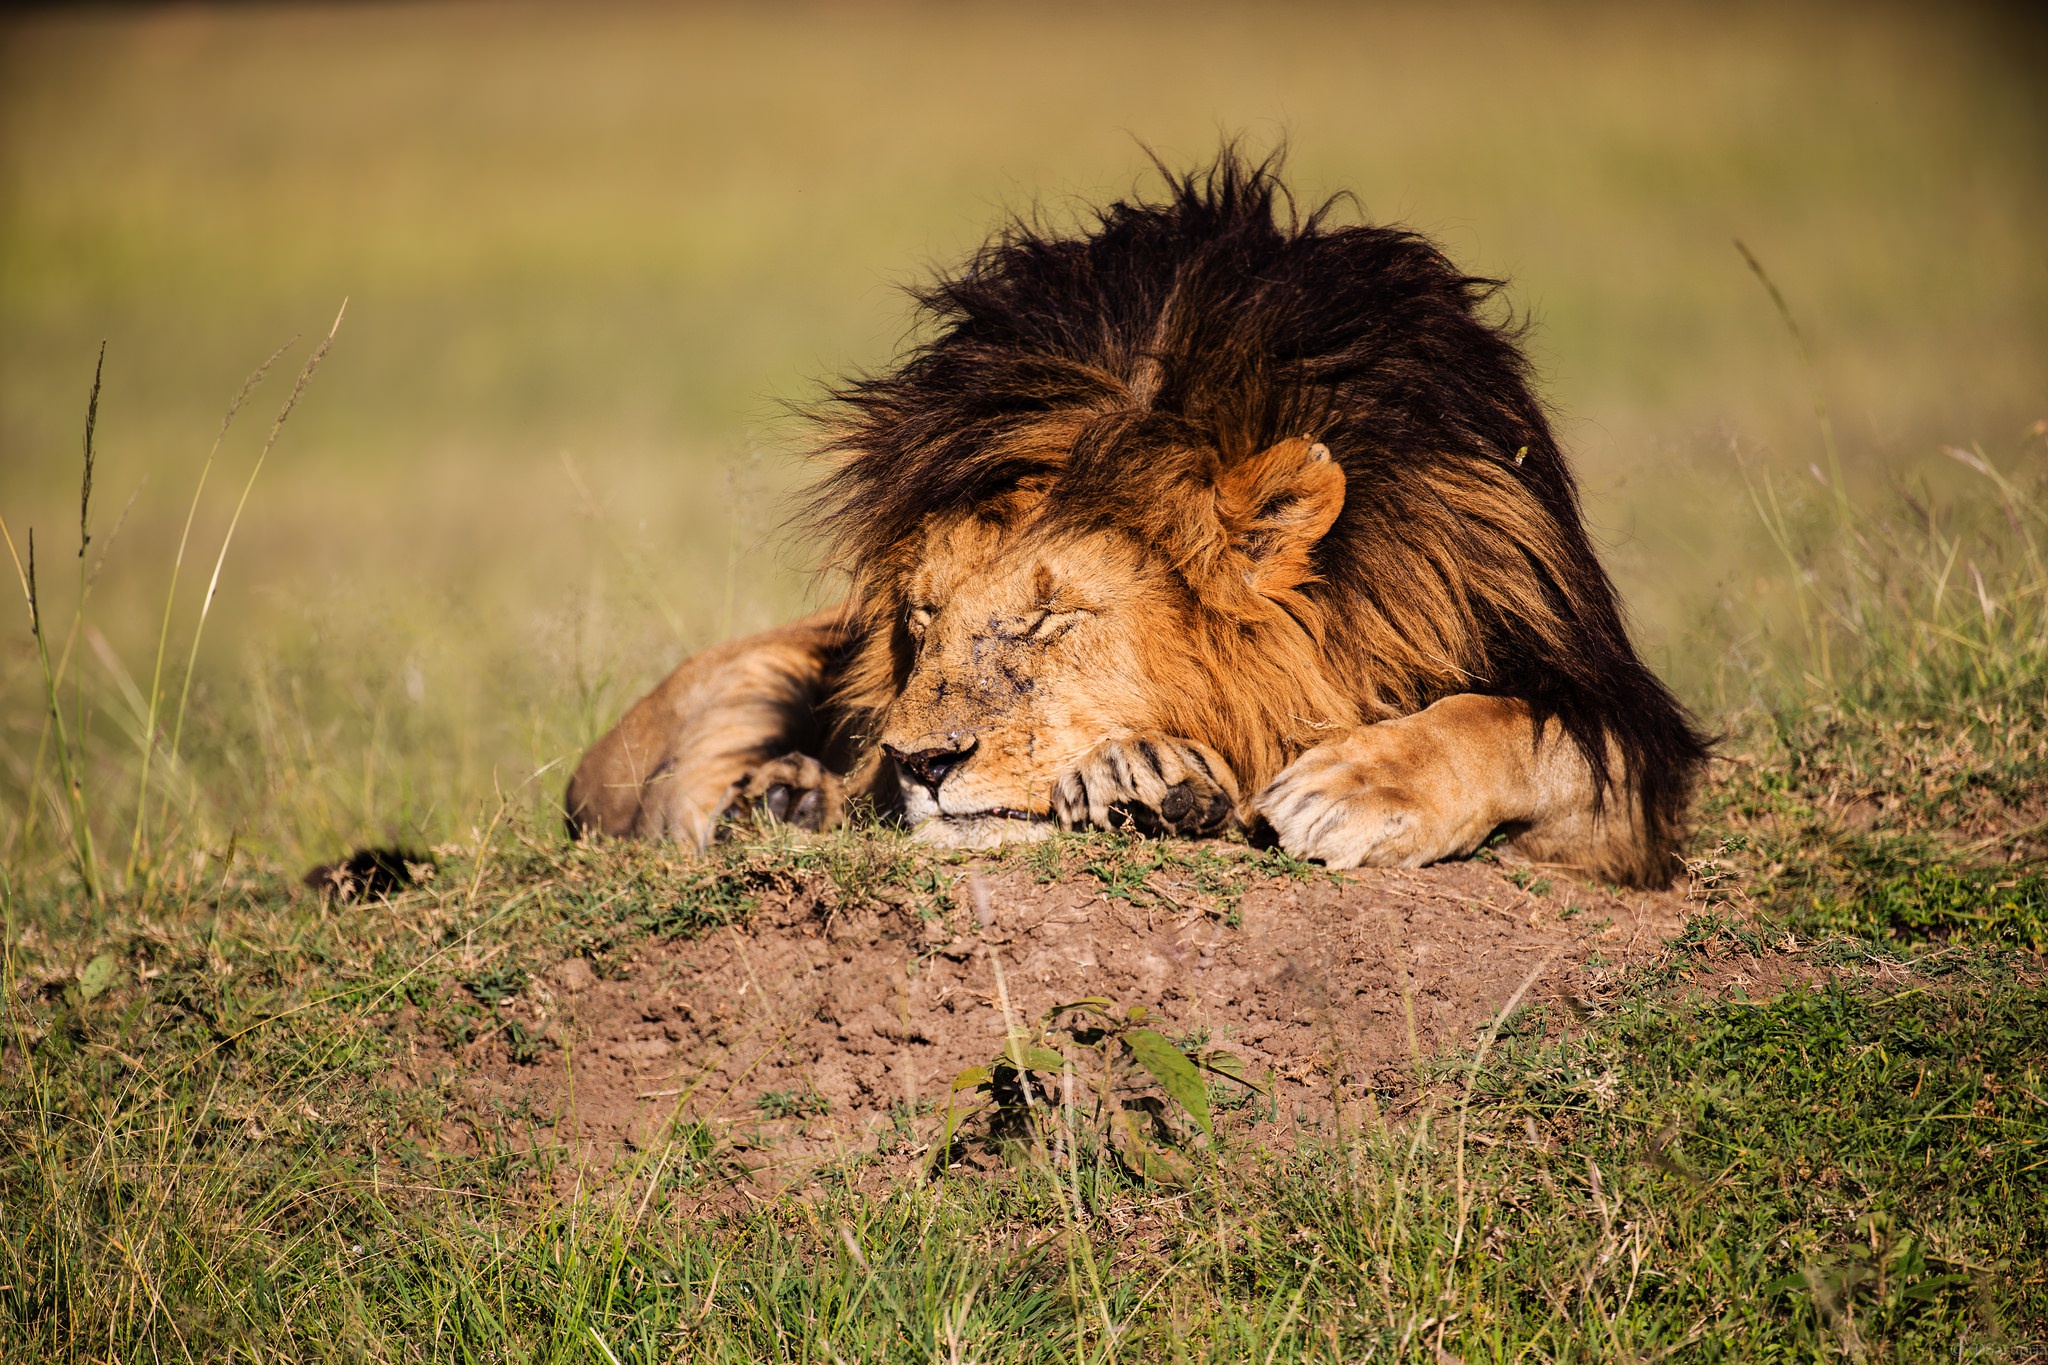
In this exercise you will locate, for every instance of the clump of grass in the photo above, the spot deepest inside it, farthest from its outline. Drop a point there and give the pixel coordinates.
(1912, 889)
(1842, 818)
(1934, 607)
(1939, 608)
(792, 1104)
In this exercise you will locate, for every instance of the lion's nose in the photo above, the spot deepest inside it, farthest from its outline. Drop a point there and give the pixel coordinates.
(933, 765)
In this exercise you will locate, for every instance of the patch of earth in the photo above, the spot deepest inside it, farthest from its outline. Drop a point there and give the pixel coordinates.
(822, 1030)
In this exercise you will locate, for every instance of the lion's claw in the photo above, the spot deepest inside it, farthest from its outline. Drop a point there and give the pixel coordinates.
(1152, 783)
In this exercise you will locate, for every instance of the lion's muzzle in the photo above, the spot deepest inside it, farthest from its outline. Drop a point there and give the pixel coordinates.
(935, 758)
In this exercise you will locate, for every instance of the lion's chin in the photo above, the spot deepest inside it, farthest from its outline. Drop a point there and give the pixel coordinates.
(982, 831)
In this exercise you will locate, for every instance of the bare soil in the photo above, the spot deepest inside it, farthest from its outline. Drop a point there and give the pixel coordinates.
(824, 1029)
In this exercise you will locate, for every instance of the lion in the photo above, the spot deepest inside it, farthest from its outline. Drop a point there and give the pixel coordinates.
(1214, 515)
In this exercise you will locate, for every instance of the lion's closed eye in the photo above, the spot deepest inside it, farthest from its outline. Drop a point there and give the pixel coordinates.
(1052, 624)
(1041, 625)
(1020, 627)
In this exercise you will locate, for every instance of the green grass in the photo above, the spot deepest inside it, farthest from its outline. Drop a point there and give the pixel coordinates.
(200, 1155)
(204, 1156)
(1912, 828)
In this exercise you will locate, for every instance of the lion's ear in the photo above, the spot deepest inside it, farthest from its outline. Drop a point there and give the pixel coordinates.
(1276, 506)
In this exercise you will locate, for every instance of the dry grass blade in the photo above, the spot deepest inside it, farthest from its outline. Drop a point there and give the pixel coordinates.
(228, 538)
(1812, 371)
(92, 421)
(156, 676)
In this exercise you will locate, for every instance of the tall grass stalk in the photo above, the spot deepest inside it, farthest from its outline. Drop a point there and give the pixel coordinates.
(312, 365)
(92, 421)
(1811, 368)
(1774, 519)
(70, 743)
(139, 837)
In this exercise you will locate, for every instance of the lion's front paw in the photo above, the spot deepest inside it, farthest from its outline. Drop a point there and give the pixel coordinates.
(1148, 782)
(1366, 801)
(795, 789)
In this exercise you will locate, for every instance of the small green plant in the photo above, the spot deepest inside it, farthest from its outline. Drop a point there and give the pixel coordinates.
(1122, 863)
(1146, 1096)
(457, 1027)
(523, 1044)
(793, 1104)
(498, 985)
(720, 894)
(1047, 859)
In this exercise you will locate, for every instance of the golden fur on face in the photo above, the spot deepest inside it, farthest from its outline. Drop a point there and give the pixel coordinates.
(1015, 645)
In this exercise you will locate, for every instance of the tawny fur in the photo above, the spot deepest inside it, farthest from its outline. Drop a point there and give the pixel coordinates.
(682, 754)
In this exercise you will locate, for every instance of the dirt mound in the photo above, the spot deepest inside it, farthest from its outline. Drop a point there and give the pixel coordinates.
(825, 1029)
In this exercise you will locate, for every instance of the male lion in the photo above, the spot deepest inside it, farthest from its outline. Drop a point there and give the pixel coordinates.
(1213, 514)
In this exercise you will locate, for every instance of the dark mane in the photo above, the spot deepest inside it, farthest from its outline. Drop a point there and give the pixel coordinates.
(1177, 337)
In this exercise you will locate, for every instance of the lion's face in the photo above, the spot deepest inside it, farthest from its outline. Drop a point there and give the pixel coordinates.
(1026, 650)
(1025, 642)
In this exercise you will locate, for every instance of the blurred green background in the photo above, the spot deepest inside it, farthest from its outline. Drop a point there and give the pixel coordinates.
(592, 253)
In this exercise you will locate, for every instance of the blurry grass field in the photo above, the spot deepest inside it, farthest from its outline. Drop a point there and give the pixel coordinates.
(587, 251)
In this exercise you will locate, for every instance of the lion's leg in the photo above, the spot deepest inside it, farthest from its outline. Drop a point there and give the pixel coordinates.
(1435, 784)
(727, 729)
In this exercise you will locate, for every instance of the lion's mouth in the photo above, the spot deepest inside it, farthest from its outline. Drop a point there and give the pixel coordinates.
(990, 827)
(999, 813)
